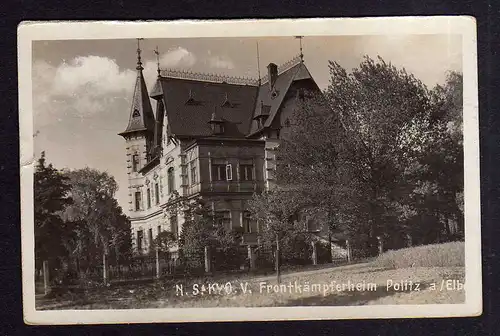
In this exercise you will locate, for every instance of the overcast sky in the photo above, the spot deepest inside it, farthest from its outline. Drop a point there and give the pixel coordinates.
(82, 89)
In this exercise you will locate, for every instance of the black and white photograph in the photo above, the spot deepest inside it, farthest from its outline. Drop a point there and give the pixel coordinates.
(234, 170)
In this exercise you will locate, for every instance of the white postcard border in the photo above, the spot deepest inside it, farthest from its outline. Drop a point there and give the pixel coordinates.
(465, 26)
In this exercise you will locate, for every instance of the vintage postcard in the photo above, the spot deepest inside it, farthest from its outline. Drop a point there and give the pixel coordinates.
(249, 170)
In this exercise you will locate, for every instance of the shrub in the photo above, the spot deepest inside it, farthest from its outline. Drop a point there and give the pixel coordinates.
(436, 255)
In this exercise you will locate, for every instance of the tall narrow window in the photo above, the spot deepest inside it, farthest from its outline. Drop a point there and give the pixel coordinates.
(157, 194)
(148, 195)
(159, 229)
(139, 240)
(193, 173)
(246, 172)
(138, 200)
(135, 162)
(219, 172)
(229, 172)
(174, 228)
(150, 238)
(171, 180)
(247, 222)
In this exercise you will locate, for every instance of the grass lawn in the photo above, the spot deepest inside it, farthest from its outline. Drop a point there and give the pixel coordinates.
(335, 286)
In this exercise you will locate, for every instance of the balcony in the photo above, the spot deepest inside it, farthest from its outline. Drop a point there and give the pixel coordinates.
(225, 186)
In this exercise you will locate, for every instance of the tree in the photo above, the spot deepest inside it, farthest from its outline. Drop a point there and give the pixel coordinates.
(99, 225)
(277, 211)
(199, 230)
(437, 168)
(385, 113)
(368, 154)
(51, 196)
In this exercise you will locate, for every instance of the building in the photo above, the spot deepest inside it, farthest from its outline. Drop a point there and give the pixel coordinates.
(208, 136)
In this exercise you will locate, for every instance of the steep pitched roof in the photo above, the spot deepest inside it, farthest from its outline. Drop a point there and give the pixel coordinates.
(141, 113)
(190, 103)
(272, 99)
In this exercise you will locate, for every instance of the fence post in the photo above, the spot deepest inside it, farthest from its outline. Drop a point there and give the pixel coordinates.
(104, 268)
(409, 240)
(207, 260)
(380, 245)
(251, 257)
(46, 277)
(314, 253)
(158, 266)
(348, 248)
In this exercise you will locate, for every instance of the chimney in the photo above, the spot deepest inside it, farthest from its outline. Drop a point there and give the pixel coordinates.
(272, 74)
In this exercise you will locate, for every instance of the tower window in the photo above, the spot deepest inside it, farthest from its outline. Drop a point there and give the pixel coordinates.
(136, 113)
(135, 162)
(138, 200)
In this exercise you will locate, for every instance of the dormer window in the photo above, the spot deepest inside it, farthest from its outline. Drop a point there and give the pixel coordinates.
(274, 94)
(190, 100)
(216, 123)
(226, 102)
(136, 113)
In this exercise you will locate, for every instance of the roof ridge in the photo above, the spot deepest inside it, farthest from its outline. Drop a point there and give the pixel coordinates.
(208, 77)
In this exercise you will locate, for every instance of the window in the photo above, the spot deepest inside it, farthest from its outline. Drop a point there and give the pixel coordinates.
(223, 218)
(229, 172)
(193, 174)
(246, 172)
(174, 226)
(148, 195)
(150, 238)
(157, 194)
(159, 229)
(138, 200)
(171, 180)
(139, 240)
(247, 222)
(218, 172)
(135, 162)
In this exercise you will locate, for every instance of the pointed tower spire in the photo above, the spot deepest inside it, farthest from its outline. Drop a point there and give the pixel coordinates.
(301, 55)
(157, 53)
(141, 117)
(139, 63)
(258, 63)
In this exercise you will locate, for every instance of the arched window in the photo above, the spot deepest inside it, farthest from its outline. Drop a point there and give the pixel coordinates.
(171, 180)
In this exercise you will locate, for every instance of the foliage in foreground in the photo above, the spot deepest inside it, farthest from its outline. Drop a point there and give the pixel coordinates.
(436, 255)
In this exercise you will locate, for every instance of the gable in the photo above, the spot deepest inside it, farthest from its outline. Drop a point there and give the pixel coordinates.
(274, 98)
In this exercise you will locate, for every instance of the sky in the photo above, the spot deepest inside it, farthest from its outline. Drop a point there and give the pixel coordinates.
(82, 89)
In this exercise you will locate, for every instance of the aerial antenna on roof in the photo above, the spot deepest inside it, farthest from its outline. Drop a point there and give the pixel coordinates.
(157, 53)
(300, 43)
(258, 61)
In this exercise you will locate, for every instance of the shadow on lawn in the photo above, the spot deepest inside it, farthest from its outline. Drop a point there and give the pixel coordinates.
(349, 298)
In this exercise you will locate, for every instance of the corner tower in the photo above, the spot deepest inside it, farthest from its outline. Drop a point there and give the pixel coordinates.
(139, 135)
